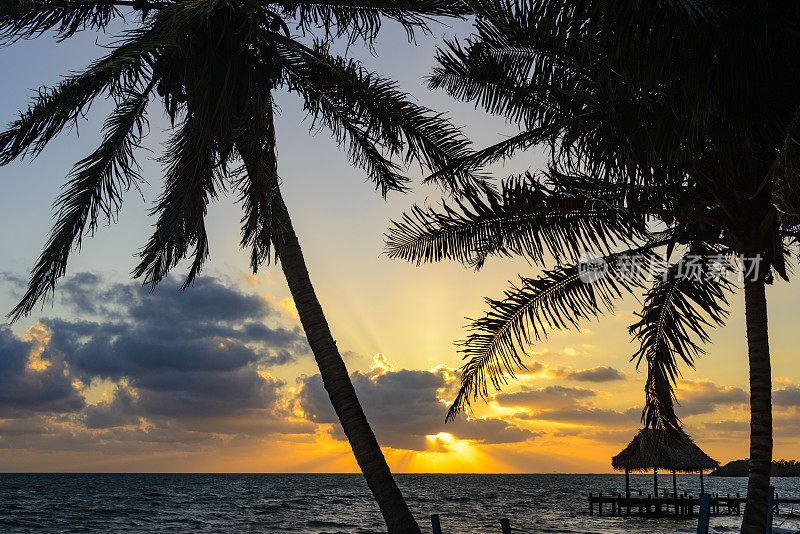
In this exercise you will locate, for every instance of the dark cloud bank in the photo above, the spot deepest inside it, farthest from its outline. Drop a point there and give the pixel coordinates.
(181, 362)
(192, 367)
(403, 408)
(23, 390)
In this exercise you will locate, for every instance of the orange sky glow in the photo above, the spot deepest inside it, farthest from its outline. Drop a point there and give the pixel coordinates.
(108, 377)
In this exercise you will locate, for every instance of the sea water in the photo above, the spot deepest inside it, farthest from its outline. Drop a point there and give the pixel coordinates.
(336, 503)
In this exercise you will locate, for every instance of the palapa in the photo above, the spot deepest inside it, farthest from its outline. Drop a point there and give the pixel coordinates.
(657, 450)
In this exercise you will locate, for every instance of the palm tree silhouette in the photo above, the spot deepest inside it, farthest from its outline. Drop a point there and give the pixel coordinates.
(214, 65)
(684, 112)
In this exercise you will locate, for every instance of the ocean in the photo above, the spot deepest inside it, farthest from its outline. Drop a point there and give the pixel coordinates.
(332, 504)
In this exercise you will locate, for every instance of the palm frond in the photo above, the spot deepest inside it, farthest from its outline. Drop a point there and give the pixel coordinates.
(470, 75)
(677, 312)
(648, 199)
(189, 185)
(361, 19)
(524, 218)
(370, 114)
(262, 222)
(465, 167)
(27, 19)
(546, 66)
(785, 171)
(616, 29)
(558, 299)
(125, 68)
(95, 188)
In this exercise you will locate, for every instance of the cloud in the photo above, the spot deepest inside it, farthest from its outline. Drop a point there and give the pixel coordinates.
(404, 407)
(546, 398)
(238, 402)
(576, 405)
(566, 405)
(190, 370)
(615, 437)
(586, 415)
(787, 397)
(704, 396)
(31, 381)
(785, 423)
(210, 299)
(211, 327)
(119, 411)
(727, 426)
(12, 279)
(184, 367)
(599, 374)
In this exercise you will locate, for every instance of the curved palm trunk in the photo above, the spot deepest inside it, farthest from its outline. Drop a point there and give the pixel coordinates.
(755, 302)
(396, 513)
(340, 390)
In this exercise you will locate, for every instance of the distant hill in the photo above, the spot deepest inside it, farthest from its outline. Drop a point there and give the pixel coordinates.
(738, 468)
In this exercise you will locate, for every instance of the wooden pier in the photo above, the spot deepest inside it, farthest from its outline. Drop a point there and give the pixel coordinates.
(673, 504)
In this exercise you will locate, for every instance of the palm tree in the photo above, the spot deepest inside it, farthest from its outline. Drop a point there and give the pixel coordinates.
(649, 99)
(605, 248)
(214, 65)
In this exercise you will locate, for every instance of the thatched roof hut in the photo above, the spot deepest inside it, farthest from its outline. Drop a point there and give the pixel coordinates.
(651, 450)
(654, 450)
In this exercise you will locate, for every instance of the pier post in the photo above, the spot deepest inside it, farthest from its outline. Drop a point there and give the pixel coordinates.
(505, 526)
(674, 484)
(655, 491)
(675, 491)
(704, 513)
(628, 482)
(770, 509)
(437, 527)
(702, 485)
(591, 504)
(655, 481)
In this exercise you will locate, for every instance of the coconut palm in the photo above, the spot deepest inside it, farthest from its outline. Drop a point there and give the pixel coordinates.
(603, 249)
(214, 65)
(693, 104)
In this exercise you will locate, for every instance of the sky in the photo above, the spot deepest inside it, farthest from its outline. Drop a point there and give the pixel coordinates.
(219, 378)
